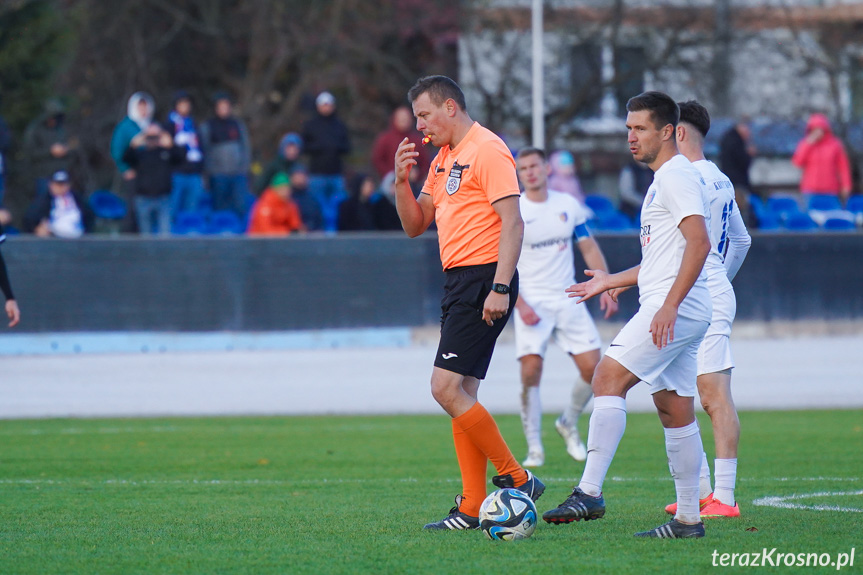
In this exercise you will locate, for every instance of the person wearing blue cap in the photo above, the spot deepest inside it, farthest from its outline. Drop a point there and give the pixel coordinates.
(287, 161)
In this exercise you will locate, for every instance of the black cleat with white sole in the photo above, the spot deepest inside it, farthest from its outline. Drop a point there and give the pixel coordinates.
(674, 529)
(577, 506)
(456, 520)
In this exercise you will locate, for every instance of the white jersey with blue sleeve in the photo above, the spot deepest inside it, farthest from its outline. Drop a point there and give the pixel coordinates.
(727, 230)
(546, 266)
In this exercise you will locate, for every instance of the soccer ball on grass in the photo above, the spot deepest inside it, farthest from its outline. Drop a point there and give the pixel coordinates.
(508, 515)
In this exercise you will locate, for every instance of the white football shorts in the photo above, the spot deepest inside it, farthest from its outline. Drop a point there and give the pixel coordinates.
(674, 366)
(715, 351)
(563, 320)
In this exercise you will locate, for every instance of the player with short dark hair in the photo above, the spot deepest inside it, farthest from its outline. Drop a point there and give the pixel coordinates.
(439, 90)
(553, 221)
(472, 193)
(730, 242)
(659, 345)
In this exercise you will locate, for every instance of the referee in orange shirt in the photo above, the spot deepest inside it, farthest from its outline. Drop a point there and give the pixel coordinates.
(472, 193)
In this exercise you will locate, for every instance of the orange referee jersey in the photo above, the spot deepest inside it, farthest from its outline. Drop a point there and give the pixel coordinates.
(464, 182)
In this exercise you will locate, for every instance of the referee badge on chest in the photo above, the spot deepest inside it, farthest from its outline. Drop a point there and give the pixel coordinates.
(453, 181)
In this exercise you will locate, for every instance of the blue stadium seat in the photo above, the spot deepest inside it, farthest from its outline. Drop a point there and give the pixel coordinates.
(800, 222)
(189, 224)
(823, 202)
(768, 221)
(756, 204)
(783, 206)
(855, 204)
(224, 223)
(599, 204)
(107, 205)
(839, 224)
(612, 221)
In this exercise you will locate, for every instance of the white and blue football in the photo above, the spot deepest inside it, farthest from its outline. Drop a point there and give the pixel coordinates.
(507, 515)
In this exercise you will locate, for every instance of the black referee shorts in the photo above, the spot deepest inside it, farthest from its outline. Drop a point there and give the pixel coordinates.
(466, 341)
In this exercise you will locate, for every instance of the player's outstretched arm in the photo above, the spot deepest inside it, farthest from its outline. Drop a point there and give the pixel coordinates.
(602, 281)
(415, 215)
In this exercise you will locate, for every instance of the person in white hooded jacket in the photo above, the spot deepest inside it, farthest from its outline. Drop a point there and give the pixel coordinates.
(139, 115)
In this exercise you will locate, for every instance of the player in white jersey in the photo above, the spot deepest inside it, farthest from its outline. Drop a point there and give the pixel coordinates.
(546, 268)
(659, 345)
(730, 242)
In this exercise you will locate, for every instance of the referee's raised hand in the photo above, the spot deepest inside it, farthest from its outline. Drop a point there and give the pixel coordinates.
(406, 158)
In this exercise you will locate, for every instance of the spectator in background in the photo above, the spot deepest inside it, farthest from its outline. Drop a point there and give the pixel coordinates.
(287, 160)
(366, 208)
(153, 155)
(275, 213)
(388, 218)
(5, 145)
(632, 185)
(46, 146)
(187, 184)
(387, 142)
(326, 140)
(310, 209)
(139, 114)
(736, 152)
(563, 176)
(822, 158)
(60, 213)
(227, 157)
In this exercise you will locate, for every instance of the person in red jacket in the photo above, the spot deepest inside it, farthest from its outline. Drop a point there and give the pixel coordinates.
(822, 158)
(386, 144)
(275, 213)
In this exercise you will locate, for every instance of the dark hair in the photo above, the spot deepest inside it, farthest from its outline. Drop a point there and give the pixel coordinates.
(440, 89)
(222, 95)
(695, 114)
(662, 107)
(355, 185)
(531, 151)
(180, 95)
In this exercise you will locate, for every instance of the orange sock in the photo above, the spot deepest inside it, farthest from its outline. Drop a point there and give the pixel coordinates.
(473, 465)
(479, 426)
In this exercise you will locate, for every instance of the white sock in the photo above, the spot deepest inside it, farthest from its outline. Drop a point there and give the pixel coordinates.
(726, 478)
(581, 394)
(704, 488)
(607, 424)
(683, 445)
(531, 418)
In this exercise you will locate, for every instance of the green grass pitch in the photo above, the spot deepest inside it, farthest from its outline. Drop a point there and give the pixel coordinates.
(350, 495)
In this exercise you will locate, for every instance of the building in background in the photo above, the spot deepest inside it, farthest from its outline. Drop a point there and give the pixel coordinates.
(740, 58)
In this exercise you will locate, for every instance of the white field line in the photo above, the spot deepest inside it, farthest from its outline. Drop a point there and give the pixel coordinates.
(784, 502)
(359, 481)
